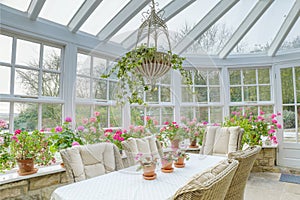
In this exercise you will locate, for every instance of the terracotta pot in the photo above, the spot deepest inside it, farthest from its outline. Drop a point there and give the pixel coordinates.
(167, 167)
(180, 162)
(26, 167)
(193, 144)
(149, 172)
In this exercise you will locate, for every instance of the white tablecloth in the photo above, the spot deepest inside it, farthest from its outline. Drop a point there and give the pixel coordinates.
(127, 184)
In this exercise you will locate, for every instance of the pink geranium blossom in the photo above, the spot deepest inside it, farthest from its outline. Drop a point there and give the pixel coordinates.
(68, 119)
(58, 129)
(75, 143)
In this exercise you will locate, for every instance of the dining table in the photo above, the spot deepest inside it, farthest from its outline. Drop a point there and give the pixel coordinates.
(129, 184)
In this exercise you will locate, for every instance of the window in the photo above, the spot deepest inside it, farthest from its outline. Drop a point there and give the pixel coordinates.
(30, 83)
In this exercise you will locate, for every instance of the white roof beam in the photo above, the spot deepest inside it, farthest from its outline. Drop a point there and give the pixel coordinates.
(258, 10)
(207, 21)
(119, 20)
(82, 14)
(35, 8)
(169, 11)
(285, 28)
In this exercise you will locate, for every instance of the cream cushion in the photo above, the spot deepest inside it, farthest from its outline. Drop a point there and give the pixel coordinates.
(91, 160)
(210, 140)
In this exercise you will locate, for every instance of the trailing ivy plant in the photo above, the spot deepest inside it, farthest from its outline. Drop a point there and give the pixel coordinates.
(132, 85)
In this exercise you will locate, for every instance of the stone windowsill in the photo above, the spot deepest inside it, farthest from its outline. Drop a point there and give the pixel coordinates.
(272, 146)
(13, 176)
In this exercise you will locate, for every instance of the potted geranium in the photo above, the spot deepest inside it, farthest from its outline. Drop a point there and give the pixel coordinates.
(148, 164)
(181, 155)
(28, 148)
(6, 160)
(170, 132)
(194, 131)
(129, 71)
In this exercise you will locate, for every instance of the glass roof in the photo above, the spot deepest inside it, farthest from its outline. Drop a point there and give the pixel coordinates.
(60, 11)
(257, 39)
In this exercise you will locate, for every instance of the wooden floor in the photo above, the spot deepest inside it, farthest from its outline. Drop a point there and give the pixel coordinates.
(266, 186)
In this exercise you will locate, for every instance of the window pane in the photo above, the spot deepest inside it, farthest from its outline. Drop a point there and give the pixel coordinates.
(187, 112)
(235, 77)
(201, 94)
(82, 87)
(235, 94)
(166, 79)
(50, 84)
(167, 114)
(100, 89)
(82, 113)
(250, 93)
(51, 58)
(186, 95)
(152, 96)
(249, 76)
(287, 85)
(200, 78)
(113, 88)
(115, 116)
(51, 115)
(165, 94)
(235, 109)
(103, 115)
(289, 123)
(4, 112)
(264, 93)
(267, 109)
(99, 66)
(137, 115)
(83, 64)
(5, 50)
(263, 76)
(28, 53)
(214, 94)
(154, 112)
(26, 116)
(5, 80)
(202, 114)
(216, 114)
(214, 77)
(26, 82)
(297, 76)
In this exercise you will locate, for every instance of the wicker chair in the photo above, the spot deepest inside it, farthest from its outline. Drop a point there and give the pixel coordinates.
(209, 185)
(221, 140)
(87, 161)
(147, 145)
(246, 159)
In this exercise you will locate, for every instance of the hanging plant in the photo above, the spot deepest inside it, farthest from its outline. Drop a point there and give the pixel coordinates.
(134, 70)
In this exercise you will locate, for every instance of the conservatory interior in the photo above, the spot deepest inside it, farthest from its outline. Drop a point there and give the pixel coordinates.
(150, 99)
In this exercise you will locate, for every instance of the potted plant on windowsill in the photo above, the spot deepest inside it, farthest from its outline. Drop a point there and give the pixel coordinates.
(29, 148)
(131, 69)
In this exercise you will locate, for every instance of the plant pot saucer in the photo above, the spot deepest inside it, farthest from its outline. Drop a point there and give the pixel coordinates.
(179, 165)
(167, 170)
(27, 173)
(149, 177)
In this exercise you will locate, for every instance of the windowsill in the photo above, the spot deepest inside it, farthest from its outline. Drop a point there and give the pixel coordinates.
(12, 175)
(272, 146)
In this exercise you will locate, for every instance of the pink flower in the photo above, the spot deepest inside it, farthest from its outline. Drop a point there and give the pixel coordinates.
(166, 123)
(148, 118)
(273, 116)
(58, 129)
(196, 133)
(42, 130)
(15, 138)
(260, 118)
(80, 128)
(48, 129)
(97, 113)
(278, 113)
(85, 121)
(3, 124)
(271, 131)
(233, 112)
(93, 119)
(108, 130)
(274, 121)
(205, 123)
(174, 123)
(124, 131)
(17, 132)
(1, 140)
(75, 144)
(68, 119)
(279, 126)
(261, 112)
(93, 129)
(155, 122)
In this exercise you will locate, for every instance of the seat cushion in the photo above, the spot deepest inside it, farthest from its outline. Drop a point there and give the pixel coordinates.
(222, 136)
(209, 140)
(233, 138)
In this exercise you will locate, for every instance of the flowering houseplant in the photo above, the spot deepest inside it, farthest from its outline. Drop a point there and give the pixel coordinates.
(90, 131)
(63, 137)
(33, 145)
(255, 126)
(171, 132)
(115, 137)
(145, 160)
(194, 129)
(6, 159)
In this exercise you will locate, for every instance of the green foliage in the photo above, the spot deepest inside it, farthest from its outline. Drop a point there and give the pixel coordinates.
(33, 145)
(63, 137)
(171, 131)
(254, 126)
(6, 159)
(131, 83)
(194, 130)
